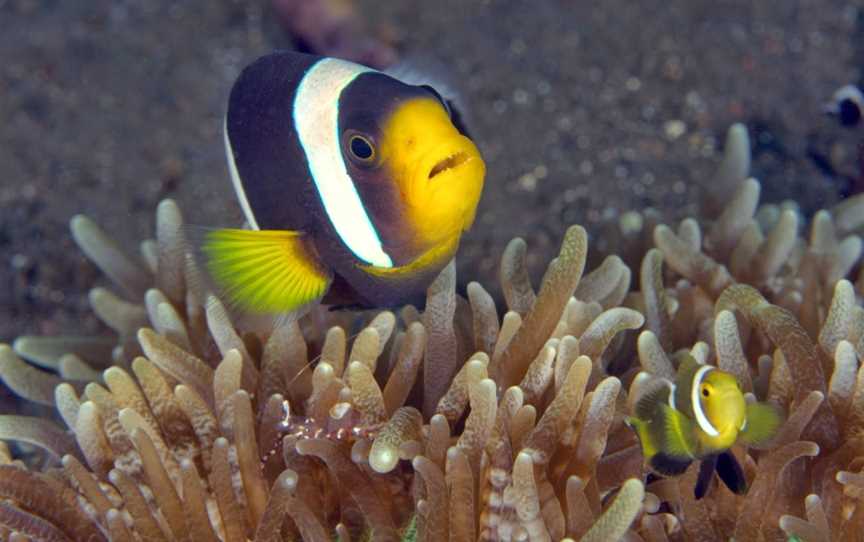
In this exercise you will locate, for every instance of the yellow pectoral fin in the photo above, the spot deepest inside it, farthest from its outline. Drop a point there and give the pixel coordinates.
(265, 271)
(654, 449)
(763, 422)
(675, 432)
(649, 448)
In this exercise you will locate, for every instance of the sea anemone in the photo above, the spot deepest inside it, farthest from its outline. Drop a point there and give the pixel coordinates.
(450, 423)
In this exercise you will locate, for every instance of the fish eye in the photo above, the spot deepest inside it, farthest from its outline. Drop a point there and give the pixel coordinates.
(361, 148)
(705, 391)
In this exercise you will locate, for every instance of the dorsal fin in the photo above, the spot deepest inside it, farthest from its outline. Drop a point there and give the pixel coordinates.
(646, 406)
(426, 71)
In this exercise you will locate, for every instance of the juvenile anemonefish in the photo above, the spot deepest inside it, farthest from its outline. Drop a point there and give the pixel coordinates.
(354, 184)
(699, 417)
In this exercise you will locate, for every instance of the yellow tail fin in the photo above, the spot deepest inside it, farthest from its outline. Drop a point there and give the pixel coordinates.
(268, 271)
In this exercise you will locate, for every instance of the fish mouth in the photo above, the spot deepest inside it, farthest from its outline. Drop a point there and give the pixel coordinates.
(453, 161)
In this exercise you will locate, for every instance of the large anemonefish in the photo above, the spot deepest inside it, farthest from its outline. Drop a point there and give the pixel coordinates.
(354, 184)
(700, 416)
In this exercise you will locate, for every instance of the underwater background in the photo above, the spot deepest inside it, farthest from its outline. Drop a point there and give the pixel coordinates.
(583, 111)
(695, 214)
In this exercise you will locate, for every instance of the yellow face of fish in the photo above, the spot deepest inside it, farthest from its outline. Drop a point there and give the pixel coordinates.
(723, 402)
(438, 171)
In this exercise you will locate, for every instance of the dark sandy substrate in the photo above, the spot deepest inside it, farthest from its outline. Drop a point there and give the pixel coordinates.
(583, 110)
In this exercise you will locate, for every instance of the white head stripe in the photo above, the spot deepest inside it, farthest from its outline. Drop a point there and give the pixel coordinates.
(701, 418)
(848, 92)
(672, 388)
(235, 180)
(316, 118)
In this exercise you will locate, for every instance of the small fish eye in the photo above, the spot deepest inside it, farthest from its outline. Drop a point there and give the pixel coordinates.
(361, 148)
(705, 392)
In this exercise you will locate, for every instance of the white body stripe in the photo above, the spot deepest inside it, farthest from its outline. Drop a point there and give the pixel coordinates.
(701, 418)
(316, 118)
(235, 180)
(671, 394)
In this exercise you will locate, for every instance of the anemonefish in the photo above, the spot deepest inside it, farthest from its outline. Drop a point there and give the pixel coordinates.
(356, 186)
(699, 417)
(847, 105)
